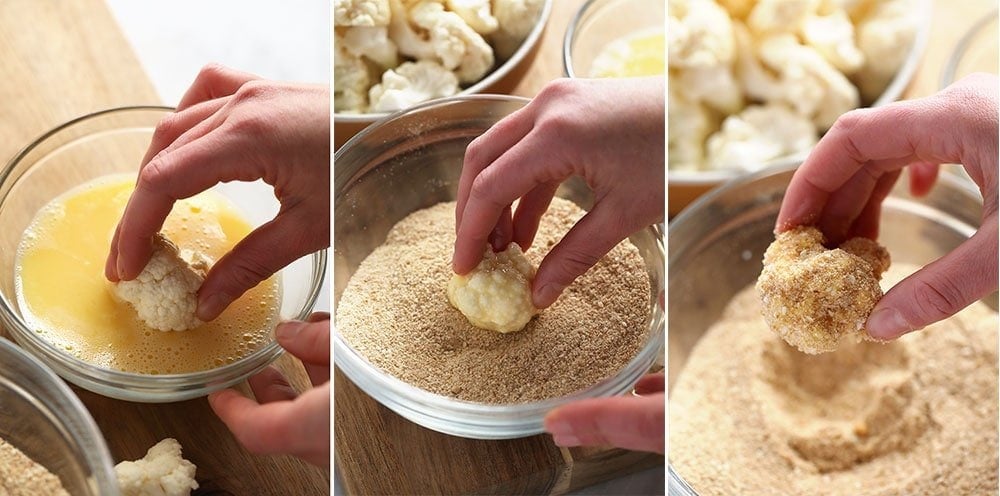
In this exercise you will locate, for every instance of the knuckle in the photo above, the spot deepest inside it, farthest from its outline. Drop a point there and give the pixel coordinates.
(249, 124)
(154, 175)
(167, 126)
(557, 88)
(246, 273)
(573, 262)
(938, 298)
(212, 71)
(252, 90)
(483, 187)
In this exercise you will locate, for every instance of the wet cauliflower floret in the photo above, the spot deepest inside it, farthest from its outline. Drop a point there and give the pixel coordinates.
(162, 472)
(814, 297)
(165, 294)
(496, 295)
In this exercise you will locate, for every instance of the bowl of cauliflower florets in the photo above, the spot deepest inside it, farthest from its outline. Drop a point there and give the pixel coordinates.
(390, 55)
(755, 83)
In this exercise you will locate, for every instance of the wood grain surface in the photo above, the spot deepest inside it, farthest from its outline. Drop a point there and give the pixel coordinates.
(64, 58)
(379, 452)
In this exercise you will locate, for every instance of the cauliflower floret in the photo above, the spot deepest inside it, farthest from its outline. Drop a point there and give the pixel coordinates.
(714, 86)
(412, 83)
(165, 294)
(690, 124)
(738, 9)
(780, 16)
(351, 79)
(475, 13)
(372, 43)
(885, 38)
(360, 12)
(516, 18)
(409, 41)
(808, 82)
(699, 34)
(162, 472)
(759, 134)
(833, 37)
(496, 295)
(457, 46)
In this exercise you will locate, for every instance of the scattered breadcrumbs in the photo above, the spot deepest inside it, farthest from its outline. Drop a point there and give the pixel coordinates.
(22, 476)
(918, 415)
(815, 298)
(395, 312)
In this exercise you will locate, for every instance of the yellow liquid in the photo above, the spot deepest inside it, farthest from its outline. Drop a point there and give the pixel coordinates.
(636, 55)
(64, 297)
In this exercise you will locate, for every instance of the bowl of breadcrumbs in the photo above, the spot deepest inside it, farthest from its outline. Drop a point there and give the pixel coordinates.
(399, 339)
(755, 409)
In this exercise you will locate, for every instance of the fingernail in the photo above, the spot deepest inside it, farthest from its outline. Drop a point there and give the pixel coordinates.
(120, 267)
(559, 428)
(212, 305)
(887, 323)
(566, 440)
(287, 331)
(546, 295)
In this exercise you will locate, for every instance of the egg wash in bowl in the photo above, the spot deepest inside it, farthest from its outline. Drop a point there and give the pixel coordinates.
(64, 297)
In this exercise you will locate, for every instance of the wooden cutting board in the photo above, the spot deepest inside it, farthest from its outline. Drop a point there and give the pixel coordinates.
(64, 58)
(379, 452)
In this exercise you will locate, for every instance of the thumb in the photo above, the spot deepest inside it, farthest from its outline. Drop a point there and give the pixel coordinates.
(308, 341)
(635, 423)
(591, 238)
(940, 289)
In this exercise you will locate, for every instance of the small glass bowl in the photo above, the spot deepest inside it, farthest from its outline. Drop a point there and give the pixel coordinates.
(41, 417)
(412, 160)
(717, 244)
(601, 22)
(109, 142)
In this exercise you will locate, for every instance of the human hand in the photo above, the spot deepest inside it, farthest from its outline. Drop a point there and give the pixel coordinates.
(635, 423)
(231, 126)
(841, 185)
(610, 132)
(281, 421)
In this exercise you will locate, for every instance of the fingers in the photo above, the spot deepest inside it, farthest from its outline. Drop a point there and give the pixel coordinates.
(592, 237)
(214, 81)
(510, 177)
(310, 342)
(635, 423)
(845, 205)
(923, 175)
(171, 127)
(650, 384)
(269, 385)
(259, 255)
(940, 289)
(501, 235)
(529, 213)
(300, 427)
(867, 222)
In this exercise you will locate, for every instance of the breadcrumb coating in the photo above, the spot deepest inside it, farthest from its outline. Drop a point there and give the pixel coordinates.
(814, 297)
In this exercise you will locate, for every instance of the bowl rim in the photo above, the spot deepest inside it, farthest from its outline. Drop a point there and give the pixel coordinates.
(103, 474)
(473, 419)
(529, 42)
(570, 37)
(18, 328)
(891, 93)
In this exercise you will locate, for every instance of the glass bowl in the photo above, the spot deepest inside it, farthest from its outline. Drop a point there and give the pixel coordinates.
(412, 160)
(601, 22)
(109, 142)
(40, 416)
(501, 79)
(685, 186)
(975, 52)
(717, 244)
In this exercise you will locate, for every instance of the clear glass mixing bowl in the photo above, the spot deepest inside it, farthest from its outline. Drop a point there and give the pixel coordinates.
(109, 142)
(41, 417)
(717, 244)
(412, 160)
(600, 22)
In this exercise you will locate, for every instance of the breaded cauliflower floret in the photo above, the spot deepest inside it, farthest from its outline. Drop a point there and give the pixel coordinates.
(162, 472)
(360, 12)
(515, 19)
(496, 295)
(814, 297)
(458, 47)
(351, 79)
(757, 135)
(410, 84)
(372, 43)
(165, 294)
(475, 13)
